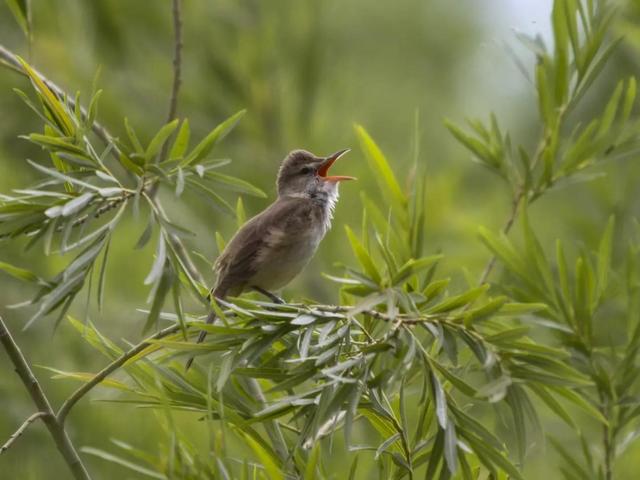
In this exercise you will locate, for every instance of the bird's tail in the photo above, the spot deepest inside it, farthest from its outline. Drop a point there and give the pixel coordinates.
(214, 293)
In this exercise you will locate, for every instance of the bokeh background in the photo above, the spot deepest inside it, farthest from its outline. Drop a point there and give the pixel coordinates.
(306, 71)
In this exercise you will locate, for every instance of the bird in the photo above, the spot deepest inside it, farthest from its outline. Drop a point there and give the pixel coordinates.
(273, 247)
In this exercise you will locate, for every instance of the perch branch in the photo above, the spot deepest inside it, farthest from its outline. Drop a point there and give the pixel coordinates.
(122, 359)
(21, 430)
(56, 428)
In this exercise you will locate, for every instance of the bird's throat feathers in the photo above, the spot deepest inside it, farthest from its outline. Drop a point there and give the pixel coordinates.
(325, 196)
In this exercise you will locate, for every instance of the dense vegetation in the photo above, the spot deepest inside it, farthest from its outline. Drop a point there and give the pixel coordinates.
(428, 352)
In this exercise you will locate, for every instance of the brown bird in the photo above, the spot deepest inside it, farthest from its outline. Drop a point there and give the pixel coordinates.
(274, 246)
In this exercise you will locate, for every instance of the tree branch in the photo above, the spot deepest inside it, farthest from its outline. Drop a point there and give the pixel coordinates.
(21, 430)
(56, 428)
(108, 370)
(122, 359)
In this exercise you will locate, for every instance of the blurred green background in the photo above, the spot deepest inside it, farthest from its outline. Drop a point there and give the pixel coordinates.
(306, 71)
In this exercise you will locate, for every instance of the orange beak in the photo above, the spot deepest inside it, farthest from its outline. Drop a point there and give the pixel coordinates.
(326, 165)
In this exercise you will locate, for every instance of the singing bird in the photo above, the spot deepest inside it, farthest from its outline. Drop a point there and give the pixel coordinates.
(274, 246)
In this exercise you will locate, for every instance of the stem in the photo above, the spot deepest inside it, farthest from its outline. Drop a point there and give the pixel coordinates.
(108, 370)
(177, 71)
(21, 430)
(177, 60)
(11, 60)
(56, 428)
(515, 203)
(177, 74)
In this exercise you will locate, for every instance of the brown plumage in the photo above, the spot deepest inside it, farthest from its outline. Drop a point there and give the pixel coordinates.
(269, 250)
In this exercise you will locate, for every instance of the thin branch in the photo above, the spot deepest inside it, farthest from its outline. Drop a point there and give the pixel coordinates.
(177, 71)
(177, 59)
(56, 428)
(21, 430)
(108, 370)
(10, 59)
(515, 204)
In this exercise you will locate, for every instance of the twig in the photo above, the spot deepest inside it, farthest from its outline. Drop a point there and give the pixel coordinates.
(177, 60)
(56, 428)
(177, 71)
(11, 60)
(21, 430)
(515, 203)
(108, 370)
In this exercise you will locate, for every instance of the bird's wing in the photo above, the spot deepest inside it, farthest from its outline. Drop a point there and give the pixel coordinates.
(238, 262)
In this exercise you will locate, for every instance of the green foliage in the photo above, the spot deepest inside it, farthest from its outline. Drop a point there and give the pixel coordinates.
(403, 376)
(562, 77)
(84, 186)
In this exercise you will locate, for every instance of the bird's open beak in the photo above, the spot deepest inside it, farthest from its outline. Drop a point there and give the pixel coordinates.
(326, 165)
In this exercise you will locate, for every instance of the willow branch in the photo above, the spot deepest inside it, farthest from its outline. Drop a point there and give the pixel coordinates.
(10, 59)
(56, 428)
(21, 430)
(108, 370)
(177, 59)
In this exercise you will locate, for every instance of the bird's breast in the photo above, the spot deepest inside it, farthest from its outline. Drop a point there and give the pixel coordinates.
(285, 254)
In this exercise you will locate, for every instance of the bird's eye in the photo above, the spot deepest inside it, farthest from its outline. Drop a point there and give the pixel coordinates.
(305, 170)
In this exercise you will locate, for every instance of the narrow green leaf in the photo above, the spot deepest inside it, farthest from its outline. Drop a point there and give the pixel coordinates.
(21, 274)
(201, 150)
(381, 166)
(123, 463)
(159, 296)
(629, 100)
(133, 138)
(363, 256)
(458, 301)
(19, 9)
(159, 139)
(610, 110)
(604, 256)
(62, 118)
(268, 459)
(181, 143)
(413, 267)
(311, 469)
(235, 184)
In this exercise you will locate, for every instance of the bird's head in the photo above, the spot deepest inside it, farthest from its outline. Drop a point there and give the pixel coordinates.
(303, 173)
